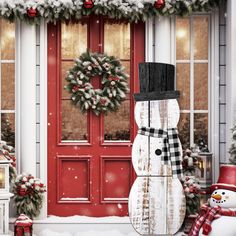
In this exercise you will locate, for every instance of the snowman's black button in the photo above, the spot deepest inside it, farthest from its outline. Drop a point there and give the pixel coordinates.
(158, 152)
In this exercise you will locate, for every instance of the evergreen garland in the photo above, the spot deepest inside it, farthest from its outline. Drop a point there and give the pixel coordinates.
(232, 149)
(113, 80)
(132, 10)
(28, 195)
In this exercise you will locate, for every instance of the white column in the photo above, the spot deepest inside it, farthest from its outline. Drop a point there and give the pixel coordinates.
(26, 96)
(149, 40)
(230, 70)
(163, 40)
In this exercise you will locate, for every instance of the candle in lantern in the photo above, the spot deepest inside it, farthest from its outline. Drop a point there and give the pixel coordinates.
(2, 177)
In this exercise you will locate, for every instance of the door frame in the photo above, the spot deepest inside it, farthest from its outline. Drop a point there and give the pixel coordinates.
(42, 74)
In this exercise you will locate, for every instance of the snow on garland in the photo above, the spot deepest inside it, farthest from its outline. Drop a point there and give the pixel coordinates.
(113, 80)
(132, 10)
(28, 195)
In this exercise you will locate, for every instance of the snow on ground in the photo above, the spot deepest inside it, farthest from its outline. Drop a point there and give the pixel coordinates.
(48, 232)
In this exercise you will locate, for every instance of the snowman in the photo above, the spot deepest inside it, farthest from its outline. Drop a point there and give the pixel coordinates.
(219, 217)
(157, 202)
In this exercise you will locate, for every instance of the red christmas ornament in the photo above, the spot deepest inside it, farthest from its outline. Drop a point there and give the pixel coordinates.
(31, 12)
(159, 4)
(88, 4)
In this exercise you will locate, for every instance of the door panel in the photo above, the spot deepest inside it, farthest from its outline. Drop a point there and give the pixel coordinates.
(89, 157)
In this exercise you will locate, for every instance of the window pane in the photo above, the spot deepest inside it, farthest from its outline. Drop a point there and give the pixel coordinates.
(8, 86)
(2, 177)
(200, 127)
(74, 122)
(117, 124)
(8, 128)
(65, 66)
(126, 64)
(183, 85)
(201, 86)
(117, 40)
(184, 130)
(73, 40)
(182, 38)
(200, 31)
(7, 40)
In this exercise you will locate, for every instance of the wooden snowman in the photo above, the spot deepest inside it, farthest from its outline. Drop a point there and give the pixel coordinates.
(157, 202)
(219, 216)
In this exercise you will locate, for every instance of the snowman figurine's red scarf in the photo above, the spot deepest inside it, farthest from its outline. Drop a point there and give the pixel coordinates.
(206, 216)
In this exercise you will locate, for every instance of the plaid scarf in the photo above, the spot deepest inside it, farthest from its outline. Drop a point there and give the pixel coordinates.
(206, 216)
(171, 148)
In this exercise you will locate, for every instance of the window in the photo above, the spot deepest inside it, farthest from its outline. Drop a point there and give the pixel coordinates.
(7, 81)
(192, 77)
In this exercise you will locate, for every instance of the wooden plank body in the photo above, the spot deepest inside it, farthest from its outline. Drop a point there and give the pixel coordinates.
(157, 202)
(157, 205)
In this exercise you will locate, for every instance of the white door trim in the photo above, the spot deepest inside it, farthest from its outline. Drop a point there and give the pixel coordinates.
(43, 111)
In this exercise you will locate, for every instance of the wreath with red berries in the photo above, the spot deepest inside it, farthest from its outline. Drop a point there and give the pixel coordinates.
(114, 86)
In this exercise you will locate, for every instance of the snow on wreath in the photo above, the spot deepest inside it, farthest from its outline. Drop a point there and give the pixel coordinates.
(131, 10)
(113, 80)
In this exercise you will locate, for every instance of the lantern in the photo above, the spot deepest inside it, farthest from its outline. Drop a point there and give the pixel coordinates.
(205, 169)
(23, 226)
(4, 195)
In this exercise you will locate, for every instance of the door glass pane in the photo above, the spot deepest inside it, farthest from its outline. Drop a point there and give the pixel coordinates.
(2, 177)
(7, 38)
(183, 85)
(73, 44)
(65, 66)
(200, 32)
(182, 38)
(201, 86)
(117, 40)
(201, 127)
(73, 40)
(184, 129)
(8, 128)
(117, 124)
(74, 122)
(8, 86)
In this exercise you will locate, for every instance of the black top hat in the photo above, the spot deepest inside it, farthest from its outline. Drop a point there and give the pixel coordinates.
(157, 82)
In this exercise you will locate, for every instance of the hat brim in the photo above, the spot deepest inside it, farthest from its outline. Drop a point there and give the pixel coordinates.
(160, 95)
(223, 186)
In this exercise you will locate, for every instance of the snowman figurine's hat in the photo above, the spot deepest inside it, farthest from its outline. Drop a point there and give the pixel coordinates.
(227, 178)
(157, 82)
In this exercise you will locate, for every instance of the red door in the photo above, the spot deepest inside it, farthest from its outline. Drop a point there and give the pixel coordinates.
(89, 157)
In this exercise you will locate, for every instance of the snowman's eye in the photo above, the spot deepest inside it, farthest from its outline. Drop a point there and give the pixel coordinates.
(215, 192)
(223, 193)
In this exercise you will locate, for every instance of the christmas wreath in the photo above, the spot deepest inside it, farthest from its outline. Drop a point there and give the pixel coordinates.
(28, 195)
(113, 80)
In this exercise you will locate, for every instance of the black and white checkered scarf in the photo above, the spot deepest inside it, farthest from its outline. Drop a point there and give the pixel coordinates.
(171, 148)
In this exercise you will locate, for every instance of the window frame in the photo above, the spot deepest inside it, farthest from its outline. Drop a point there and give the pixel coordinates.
(213, 83)
(9, 61)
(192, 62)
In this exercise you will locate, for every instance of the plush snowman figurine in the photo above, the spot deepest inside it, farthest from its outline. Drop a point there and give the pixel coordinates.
(219, 219)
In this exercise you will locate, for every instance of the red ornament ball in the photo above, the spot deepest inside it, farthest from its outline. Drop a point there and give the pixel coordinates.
(31, 12)
(88, 4)
(159, 4)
